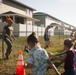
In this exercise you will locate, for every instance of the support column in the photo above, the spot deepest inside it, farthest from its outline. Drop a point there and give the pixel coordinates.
(14, 19)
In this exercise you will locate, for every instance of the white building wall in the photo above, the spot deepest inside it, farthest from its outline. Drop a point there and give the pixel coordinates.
(39, 31)
(25, 30)
(29, 23)
(66, 31)
(48, 21)
(2, 26)
(34, 28)
(6, 8)
(22, 29)
(29, 29)
(28, 12)
(51, 31)
(16, 29)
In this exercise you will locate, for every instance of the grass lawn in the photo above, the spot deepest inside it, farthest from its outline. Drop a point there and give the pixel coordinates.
(8, 67)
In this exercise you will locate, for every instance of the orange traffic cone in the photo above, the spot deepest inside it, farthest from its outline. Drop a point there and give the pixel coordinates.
(20, 65)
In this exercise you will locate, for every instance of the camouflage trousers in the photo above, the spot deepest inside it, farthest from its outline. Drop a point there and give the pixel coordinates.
(9, 47)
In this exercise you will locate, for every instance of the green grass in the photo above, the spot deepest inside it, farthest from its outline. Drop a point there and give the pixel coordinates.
(8, 67)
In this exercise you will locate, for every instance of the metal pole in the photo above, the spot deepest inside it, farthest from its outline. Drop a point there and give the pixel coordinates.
(59, 35)
(26, 29)
(37, 29)
(2, 46)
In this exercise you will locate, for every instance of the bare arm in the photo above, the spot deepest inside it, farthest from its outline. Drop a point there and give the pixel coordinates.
(70, 29)
(53, 67)
(13, 36)
(57, 57)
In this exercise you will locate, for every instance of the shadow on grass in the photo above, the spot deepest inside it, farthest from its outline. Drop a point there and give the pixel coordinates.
(60, 51)
(6, 73)
(57, 64)
(1, 36)
(1, 59)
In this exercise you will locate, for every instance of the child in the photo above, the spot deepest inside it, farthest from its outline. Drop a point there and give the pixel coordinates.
(37, 58)
(69, 58)
(26, 48)
(47, 37)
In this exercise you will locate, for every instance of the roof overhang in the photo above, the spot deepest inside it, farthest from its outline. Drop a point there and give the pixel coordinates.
(10, 13)
(22, 4)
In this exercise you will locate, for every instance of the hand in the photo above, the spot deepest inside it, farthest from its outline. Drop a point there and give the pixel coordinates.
(10, 38)
(50, 54)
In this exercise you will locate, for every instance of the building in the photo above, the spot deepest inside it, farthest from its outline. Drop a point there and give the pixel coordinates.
(21, 14)
(25, 21)
(46, 19)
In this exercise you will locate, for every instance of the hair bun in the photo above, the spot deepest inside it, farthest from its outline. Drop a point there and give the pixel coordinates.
(33, 33)
(33, 37)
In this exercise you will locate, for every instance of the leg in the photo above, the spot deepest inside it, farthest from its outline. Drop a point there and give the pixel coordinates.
(47, 44)
(9, 48)
(47, 40)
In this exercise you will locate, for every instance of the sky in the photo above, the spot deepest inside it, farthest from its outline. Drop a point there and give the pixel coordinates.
(64, 10)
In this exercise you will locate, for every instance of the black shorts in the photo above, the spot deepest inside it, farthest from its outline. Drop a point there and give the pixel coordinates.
(46, 37)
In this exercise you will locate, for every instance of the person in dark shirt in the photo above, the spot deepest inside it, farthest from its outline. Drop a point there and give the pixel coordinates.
(47, 36)
(69, 58)
(8, 35)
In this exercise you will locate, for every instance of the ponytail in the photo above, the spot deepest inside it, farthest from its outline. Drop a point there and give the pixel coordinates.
(33, 38)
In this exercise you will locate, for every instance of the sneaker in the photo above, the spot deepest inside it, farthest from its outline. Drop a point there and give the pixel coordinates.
(6, 56)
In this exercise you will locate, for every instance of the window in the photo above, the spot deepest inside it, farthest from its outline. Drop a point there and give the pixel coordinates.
(26, 11)
(4, 18)
(19, 20)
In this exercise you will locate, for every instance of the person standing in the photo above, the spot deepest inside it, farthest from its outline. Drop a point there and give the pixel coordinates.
(8, 35)
(69, 58)
(37, 59)
(47, 36)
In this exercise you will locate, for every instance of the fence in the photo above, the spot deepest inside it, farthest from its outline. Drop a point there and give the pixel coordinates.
(25, 30)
